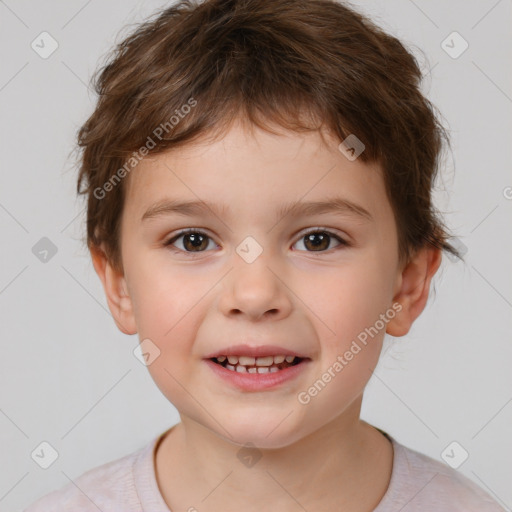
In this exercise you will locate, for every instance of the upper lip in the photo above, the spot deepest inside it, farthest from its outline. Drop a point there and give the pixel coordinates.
(255, 351)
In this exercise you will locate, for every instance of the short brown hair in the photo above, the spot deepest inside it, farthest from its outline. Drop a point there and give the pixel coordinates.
(302, 64)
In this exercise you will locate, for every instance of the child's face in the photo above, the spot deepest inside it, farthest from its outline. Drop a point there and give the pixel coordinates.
(312, 302)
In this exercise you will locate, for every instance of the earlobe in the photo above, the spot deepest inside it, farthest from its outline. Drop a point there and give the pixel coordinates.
(414, 288)
(116, 292)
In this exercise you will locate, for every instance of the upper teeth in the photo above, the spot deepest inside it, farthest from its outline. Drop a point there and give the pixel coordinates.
(256, 361)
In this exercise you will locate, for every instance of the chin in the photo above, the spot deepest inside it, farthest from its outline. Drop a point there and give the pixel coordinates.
(263, 432)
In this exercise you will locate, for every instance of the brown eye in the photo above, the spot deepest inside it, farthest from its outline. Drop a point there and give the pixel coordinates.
(320, 241)
(193, 241)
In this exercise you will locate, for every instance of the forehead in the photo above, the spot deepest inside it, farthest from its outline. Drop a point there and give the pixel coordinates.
(254, 169)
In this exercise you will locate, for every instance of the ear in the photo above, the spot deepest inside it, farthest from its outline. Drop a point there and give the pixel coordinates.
(412, 289)
(116, 291)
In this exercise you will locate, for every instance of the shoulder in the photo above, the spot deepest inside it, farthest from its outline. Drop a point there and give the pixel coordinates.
(428, 484)
(109, 487)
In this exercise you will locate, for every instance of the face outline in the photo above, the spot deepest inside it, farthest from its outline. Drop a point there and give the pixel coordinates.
(313, 302)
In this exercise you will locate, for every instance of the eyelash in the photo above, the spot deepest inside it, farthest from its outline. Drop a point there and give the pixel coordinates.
(168, 243)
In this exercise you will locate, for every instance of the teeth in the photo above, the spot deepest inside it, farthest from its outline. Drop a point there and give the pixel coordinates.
(256, 361)
(247, 364)
(264, 361)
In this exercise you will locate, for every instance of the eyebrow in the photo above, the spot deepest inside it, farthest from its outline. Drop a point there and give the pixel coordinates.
(337, 205)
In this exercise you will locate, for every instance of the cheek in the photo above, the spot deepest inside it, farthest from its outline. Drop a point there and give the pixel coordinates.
(352, 307)
(163, 296)
(166, 317)
(351, 299)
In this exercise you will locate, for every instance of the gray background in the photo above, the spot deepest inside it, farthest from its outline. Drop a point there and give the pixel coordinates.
(69, 377)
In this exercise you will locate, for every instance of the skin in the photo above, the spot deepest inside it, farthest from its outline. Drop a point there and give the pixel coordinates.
(190, 304)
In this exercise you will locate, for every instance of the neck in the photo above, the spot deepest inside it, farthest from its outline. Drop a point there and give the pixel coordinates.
(345, 465)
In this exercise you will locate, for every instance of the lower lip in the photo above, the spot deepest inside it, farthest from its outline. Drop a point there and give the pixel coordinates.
(257, 381)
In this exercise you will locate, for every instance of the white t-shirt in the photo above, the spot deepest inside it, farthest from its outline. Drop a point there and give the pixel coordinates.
(418, 484)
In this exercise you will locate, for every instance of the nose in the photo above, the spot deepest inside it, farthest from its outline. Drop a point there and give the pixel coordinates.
(255, 290)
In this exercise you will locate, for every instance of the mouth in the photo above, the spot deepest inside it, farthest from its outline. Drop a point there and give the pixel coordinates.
(266, 364)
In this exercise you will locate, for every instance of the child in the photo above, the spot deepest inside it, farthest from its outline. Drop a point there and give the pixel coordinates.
(259, 177)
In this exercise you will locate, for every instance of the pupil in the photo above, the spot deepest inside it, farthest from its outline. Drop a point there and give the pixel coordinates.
(195, 239)
(321, 243)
